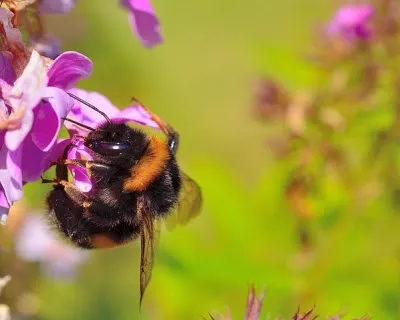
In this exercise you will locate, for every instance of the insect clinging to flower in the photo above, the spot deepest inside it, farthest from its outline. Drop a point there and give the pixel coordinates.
(136, 184)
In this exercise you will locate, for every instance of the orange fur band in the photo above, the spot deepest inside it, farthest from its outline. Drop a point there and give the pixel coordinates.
(150, 166)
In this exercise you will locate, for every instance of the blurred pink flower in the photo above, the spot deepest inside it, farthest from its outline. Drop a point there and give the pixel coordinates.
(56, 6)
(144, 21)
(352, 22)
(35, 242)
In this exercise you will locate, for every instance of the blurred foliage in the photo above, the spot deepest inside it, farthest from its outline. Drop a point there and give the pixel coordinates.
(305, 207)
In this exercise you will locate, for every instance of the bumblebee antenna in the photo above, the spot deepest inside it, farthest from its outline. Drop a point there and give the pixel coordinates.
(78, 124)
(90, 106)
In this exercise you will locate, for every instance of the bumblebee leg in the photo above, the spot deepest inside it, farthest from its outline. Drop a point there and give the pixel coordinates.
(70, 189)
(88, 164)
(172, 134)
(61, 169)
(98, 171)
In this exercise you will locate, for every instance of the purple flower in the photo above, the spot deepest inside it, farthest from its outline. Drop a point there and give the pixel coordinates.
(144, 21)
(31, 118)
(89, 117)
(36, 242)
(352, 22)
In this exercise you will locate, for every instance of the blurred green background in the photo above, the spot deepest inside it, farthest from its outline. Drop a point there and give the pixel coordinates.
(201, 81)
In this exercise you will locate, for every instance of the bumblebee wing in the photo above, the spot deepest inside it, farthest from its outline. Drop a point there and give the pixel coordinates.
(149, 233)
(189, 203)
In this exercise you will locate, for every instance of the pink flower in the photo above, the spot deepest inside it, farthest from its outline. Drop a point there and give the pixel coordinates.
(352, 22)
(31, 112)
(35, 242)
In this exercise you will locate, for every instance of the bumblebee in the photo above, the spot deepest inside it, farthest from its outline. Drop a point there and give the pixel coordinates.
(136, 183)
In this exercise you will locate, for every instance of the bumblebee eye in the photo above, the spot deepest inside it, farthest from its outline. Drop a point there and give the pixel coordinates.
(113, 136)
(109, 148)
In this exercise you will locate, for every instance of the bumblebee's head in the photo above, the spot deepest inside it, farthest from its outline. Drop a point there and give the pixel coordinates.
(117, 143)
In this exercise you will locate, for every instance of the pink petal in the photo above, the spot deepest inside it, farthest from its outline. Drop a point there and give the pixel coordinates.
(68, 69)
(80, 175)
(14, 138)
(137, 114)
(10, 173)
(32, 170)
(27, 89)
(48, 117)
(23, 97)
(56, 152)
(144, 21)
(81, 178)
(86, 115)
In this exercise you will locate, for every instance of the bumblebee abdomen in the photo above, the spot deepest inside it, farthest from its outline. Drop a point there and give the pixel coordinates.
(90, 224)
